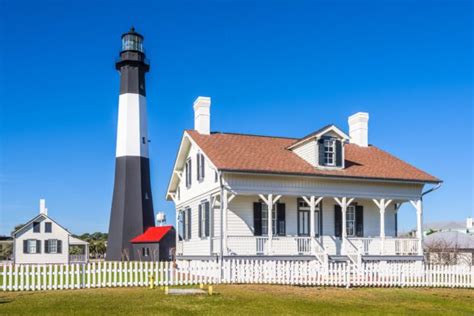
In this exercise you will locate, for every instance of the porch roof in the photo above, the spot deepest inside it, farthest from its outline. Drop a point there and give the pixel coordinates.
(266, 154)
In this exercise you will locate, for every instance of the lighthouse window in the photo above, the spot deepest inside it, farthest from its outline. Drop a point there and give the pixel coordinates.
(143, 140)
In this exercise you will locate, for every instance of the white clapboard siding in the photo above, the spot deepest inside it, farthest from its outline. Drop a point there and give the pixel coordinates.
(308, 273)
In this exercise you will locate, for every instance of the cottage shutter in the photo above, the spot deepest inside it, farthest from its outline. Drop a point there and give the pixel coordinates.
(46, 246)
(202, 166)
(338, 153)
(257, 218)
(206, 214)
(184, 225)
(59, 245)
(359, 218)
(25, 246)
(281, 221)
(38, 246)
(337, 221)
(321, 151)
(198, 166)
(189, 223)
(200, 220)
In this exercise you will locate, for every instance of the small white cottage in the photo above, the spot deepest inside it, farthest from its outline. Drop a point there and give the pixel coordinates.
(43, 240)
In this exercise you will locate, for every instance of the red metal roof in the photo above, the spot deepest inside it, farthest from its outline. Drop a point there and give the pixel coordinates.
(152, 234)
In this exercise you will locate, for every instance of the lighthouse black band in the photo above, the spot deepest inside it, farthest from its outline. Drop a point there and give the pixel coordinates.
(132, 66)
(132, 206)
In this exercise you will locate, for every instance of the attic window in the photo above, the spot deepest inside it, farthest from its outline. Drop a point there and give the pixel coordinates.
(329, 152)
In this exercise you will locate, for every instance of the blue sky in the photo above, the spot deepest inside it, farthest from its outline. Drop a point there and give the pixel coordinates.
(272, 68)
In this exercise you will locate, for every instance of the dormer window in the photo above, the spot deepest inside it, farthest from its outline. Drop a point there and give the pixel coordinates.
(329, 151)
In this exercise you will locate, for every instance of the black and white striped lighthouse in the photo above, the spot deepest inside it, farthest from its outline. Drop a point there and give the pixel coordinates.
(132, 205)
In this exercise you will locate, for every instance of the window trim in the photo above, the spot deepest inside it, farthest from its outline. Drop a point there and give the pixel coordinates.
(202, 220)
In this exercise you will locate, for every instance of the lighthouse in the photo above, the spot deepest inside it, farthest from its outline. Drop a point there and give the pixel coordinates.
(132, 204)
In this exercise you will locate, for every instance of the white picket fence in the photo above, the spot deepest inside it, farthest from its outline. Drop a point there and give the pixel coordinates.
(307, 273)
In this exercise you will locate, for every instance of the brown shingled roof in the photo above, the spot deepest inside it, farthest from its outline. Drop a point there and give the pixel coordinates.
(264, 154)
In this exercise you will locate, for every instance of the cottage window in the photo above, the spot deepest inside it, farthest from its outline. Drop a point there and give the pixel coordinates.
(351, 221)
(145, 252)
(203, 213)
(329, 152)
(200, 166)
(52, 246)
(47, 227)
(186, 216)
(36, 227)
(32, 246)
(188, 172)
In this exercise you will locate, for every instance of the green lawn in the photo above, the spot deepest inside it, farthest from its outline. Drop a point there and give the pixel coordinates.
(241, 300)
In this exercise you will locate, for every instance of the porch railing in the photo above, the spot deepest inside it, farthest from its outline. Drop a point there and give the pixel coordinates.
(280, 245)
(386, 246)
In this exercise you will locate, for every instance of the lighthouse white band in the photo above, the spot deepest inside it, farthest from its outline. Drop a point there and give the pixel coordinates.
(132, 131)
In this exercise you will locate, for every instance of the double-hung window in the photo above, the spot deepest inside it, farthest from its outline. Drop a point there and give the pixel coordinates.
(203, 213)
(188, 172)
(47, 227)
(145, 252)
(200, 166)
(186, 218)
(351, 221)
(32, 246)
(329, 152)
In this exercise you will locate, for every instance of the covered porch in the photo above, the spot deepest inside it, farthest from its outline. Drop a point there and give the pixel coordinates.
(325, 227)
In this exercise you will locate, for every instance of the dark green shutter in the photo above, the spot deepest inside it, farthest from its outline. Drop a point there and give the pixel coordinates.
(337, 221)
(184, 225)
(206, 215)
(60, 248)
(46, 246)
(202, 166)
(198, 166)
(189, 224)
(38, 246)
(25, 246)
(321, 151)
(281, 219)
(200, 220)
(338, 153)
(359, 218)
(257, 218)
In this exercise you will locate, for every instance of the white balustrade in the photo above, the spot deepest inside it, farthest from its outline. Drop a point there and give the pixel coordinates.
(387, 246)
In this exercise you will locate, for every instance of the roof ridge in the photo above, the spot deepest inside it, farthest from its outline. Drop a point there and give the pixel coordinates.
(250, 135)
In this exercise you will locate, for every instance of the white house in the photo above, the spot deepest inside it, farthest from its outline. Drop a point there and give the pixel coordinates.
(43, 240)
(332, 195)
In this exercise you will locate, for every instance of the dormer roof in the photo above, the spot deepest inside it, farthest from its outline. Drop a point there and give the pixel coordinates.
(320, 132)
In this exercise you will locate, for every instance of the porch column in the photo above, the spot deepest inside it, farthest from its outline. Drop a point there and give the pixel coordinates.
(343, 203)
(224, 224)
(312, 201)
(270, 201)
(382, 205)
(226, 200)
(418, 205)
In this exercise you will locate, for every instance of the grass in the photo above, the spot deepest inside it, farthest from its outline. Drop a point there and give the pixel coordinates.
(241, 300)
